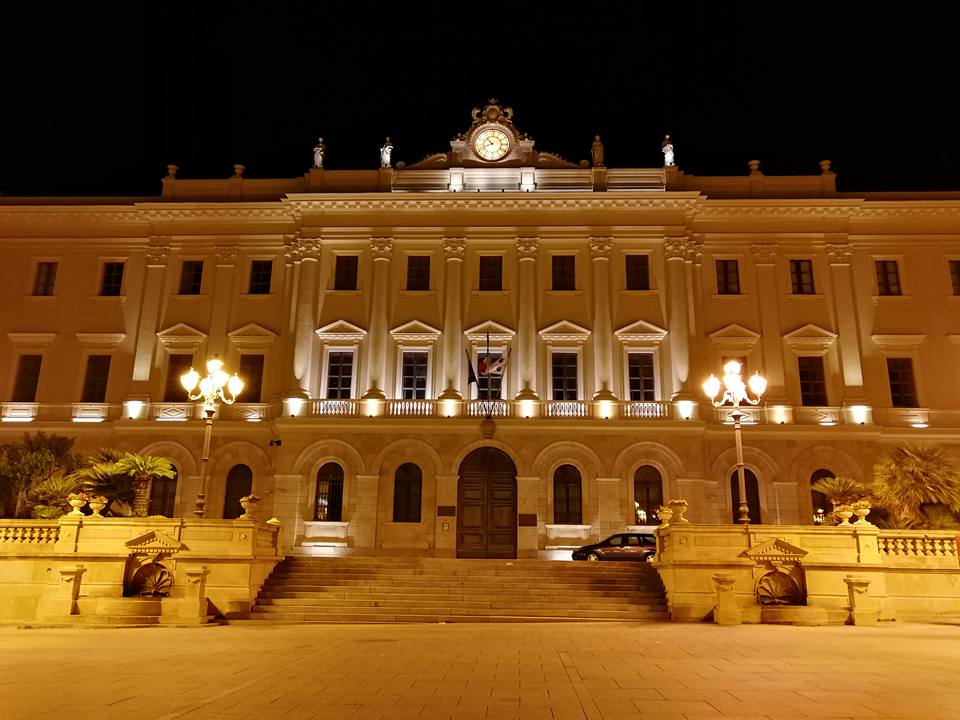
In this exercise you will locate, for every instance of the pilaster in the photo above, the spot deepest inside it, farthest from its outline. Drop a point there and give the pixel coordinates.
(382, 251)
(454, 250)
(601, 249)
(527, 250)
(157, 255)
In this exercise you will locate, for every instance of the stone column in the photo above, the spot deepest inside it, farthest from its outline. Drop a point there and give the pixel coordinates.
(288, 333)
(453, 252)
(765, 257)
(306, 315)
(848, 331)
(600, 251)
(382, 251)
(678, 253)
(147, 326)
(527, 314)
(226, 257)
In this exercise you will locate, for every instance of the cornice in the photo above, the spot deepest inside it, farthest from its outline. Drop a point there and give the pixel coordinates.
(499, 202)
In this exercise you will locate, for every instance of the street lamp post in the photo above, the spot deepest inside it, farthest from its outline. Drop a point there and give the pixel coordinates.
(735, 393)
(218, 385)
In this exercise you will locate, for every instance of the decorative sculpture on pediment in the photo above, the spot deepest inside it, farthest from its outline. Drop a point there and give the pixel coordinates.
(382, 248)
(454, 248)
(157, 255)
(527, 248)
(226, 254)
(601, 247)
(839, 253)
(764, 253)
(492, 112)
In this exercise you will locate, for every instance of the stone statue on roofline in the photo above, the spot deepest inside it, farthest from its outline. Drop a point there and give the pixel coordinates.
(667, 149)
(318, 152)
(385, 153)
(596, 151)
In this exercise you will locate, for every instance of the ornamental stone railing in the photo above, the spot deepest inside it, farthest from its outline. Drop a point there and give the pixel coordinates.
(28, 532)
(931, 544)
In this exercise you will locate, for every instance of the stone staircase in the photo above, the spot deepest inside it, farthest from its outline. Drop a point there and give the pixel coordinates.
(428, 590)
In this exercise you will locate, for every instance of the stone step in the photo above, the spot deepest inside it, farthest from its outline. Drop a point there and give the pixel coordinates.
(459, 586)
(296, 614)
(402, 601)
(518, 593)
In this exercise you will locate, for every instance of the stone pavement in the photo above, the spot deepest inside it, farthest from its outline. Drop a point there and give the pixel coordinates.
(612, 671)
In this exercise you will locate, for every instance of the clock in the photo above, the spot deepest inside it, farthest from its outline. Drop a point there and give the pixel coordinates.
(491, 144)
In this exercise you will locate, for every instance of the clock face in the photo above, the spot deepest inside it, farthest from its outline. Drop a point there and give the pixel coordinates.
(492, 144)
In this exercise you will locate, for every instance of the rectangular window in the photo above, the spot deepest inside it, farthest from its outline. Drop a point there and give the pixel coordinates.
(564, 376)
(261, 272)
(177, 365)
(418, 272)
(567, 500)
(414, 380)
(955, 276)
(488, 384)
(813, 384)
(28, 377)
(339, 375)
(640, 374)
(888, 277)
(95, 380)
(728, 277)
(407, 490)
(638, 272)
(903, 392)
(801, 277)
(345, 272)
(191, 277)
(112, 281)
(251, 372)
(491, 272)
(564, 272)
(45, 278)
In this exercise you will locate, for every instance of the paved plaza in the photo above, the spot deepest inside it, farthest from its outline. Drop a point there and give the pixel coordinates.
(609, 671)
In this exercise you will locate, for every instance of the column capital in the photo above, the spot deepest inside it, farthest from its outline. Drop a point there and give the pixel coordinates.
(381, 247)
(298, 248)
(454, 248)
(682, 247)
(764, 253)
(601, 248)
(839, 253)
(527, 248)
(157, 255)
(226, 254)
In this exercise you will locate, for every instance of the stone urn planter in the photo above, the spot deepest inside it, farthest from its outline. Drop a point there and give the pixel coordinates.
(861, 511)
(97, 504)
(248, 502)
(665, 514)
(679, 507)
(76, 503)
(844, 513)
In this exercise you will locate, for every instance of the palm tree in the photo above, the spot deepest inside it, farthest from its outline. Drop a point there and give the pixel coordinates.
(841, 490)
(143, 469)
(50, 494)
(99, 471)
(907, 478)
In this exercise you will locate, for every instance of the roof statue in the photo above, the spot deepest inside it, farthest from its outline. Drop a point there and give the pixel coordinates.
(596, 152)
(318, 152)
(666, 147)
(385, 152)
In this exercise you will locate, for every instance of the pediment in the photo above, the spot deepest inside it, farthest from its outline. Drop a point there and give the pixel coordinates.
(101, 340)
(564, 331)
(734, 337)
(641, 333)
(31, 338)
(252, 335)
(182, 336)
(415, 331)
(898, 342)
(498, 334)
(775, 550)
(155, 542)
(810, 338)
(340, 330)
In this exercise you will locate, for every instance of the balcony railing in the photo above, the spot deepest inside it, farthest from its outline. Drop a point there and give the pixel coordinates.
(346, 408)
(411, 408)
(566, 408)
(646, 410)
(493, 408)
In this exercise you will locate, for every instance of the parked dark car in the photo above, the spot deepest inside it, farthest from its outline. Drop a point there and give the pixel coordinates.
(622, 546)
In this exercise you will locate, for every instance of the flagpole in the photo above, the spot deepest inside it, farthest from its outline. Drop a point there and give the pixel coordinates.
(486, 371)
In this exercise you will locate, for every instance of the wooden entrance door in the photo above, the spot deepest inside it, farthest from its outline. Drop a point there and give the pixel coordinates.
(487, 506)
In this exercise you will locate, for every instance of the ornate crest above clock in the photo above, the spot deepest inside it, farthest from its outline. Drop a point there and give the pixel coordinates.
(492, 141)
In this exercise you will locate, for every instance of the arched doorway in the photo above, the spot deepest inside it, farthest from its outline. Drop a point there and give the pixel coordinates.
(753, 496)
(487, 505)
(239, 484)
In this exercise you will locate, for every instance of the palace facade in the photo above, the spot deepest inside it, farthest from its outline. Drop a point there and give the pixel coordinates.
(350, 302)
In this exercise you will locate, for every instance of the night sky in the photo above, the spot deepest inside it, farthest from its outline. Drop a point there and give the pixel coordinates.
(98, 101)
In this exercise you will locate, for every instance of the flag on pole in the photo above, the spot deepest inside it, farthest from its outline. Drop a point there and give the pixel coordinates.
(496, 364)
(471, 375)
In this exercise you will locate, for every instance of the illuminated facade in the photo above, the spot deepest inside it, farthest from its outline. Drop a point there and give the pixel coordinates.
(349, 302)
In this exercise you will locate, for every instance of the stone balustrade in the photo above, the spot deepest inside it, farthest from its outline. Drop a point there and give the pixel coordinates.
(895, 545)
(35, 533)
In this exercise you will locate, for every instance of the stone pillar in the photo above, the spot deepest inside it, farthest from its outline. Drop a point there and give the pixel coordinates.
(726, 611)
(382, 251)
(147, 325)
(306, 315)
(764, 257)
(453, 252)
(848, 331)
(695, 329)
(446, 526)
(600, 251)
(60, 595)
(527, 314)
(528, 502)
(363, 511)
(609, 517)
(863, 608)
(289, 503)
(678, 253)
(226, 257)
(288, 333)
(194, 604)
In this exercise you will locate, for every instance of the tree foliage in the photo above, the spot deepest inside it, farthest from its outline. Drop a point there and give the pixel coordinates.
(910, 480)
(23, 465)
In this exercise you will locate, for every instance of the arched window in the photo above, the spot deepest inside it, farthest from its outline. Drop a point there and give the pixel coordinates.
(163, 495)
(328, 502)
(407, 484)
(753, 496)
(820, 502)
(567, 495)
(647, 495)
(239, 483)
